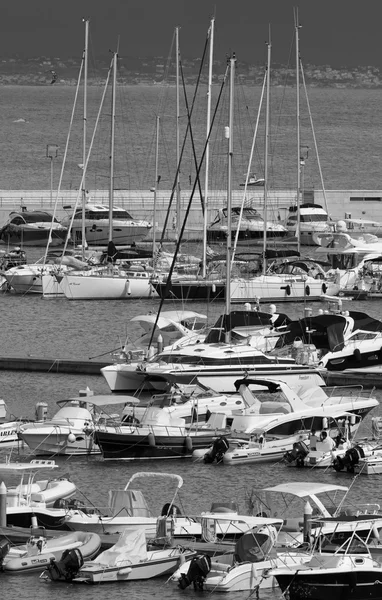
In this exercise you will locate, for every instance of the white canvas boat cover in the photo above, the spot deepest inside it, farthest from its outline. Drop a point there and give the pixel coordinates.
(130, 549)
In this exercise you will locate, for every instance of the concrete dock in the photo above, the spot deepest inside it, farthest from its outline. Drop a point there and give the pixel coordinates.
(52, 365)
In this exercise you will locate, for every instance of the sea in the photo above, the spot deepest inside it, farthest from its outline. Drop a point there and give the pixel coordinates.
(33, 117)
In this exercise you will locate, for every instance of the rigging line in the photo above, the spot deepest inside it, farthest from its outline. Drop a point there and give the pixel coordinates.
(266, 75)
(172, 266)
(314, 136)
(64, 158)
(88, 156)
(174, 187)
(192, 140)
(189, 114)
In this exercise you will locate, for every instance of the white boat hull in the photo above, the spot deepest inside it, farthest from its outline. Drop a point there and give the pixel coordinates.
(104, 287)
(281, 289)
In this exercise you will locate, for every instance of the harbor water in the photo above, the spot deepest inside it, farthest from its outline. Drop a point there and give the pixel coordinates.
(32, 326)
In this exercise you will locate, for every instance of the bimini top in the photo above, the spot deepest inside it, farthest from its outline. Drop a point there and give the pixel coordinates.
(303, 488)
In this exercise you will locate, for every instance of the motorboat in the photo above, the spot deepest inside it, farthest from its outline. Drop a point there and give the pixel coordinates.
(250, 223)
(311, 218)
(70, 432)
(218, 364)
(342, 341)
(123, 376)
(300, 503)
(271, 423)
(8, 259)
(196, 354)
(363, 457)
(39, 551)
(127, 508)
(31, 501)
(324, 450)
(33, 228)
(127, 560)
(125, 229)
(158, 435)
(245, 569)
(9, 427)
(344, 570)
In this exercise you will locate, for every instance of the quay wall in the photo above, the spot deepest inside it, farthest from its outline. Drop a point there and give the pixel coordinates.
(365, 204)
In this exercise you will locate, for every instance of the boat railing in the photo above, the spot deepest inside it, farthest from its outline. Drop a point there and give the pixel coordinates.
(342, 393)
(359, 509)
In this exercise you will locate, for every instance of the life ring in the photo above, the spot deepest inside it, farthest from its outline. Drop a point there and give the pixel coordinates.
(324, 288)
(307, 290)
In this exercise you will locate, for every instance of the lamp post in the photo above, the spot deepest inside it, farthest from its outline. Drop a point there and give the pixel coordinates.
(51, 153)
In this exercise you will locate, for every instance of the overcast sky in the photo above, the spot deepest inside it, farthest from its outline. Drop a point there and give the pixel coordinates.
(337, 32)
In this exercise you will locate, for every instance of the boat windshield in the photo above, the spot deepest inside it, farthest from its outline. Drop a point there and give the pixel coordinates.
(33, 217)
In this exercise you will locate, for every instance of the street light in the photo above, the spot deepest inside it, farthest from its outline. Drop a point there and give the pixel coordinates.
(51, 152)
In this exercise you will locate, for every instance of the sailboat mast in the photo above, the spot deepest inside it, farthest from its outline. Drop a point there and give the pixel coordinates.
(178, 215)
(205, 216)
(229, 135)
(266, 155)
(297, 27)
(112, 143)
(84, 149)
(156, 182)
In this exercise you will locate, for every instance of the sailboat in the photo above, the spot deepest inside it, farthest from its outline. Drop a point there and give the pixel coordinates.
(109, 281)
(286, 287)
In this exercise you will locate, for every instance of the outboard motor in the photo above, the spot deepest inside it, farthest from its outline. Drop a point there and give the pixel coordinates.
(349, 460)
(197, 572)
(67, 567)
(4, 549)
(219, 448)
(297, 454)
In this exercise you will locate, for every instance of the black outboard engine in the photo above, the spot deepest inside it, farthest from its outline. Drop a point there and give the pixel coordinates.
(197, 572)
(4, 549)
(219, 448)
(349, 460)
(67, 567)
(297, 454)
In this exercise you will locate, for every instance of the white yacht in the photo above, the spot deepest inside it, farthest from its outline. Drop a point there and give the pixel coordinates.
(250, 223)
(125, 230)
(313, 219)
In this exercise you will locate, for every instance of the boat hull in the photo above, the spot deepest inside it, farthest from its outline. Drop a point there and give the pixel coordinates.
(281, 289)
(56, 443)
(191, 290)
(354, 585)
(149, 444)
(104, 287)
(123, 234)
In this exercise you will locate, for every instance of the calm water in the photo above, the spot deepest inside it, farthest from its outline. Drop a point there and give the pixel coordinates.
(345, 124)
(58, 328)
(349, 146)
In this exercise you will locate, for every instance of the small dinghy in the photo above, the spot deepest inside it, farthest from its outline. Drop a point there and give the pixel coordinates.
(127, 560)
(39, 551)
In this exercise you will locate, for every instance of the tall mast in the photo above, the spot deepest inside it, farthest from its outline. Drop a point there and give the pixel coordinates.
(266, 151)
(205, 217)
(178, 215)
(112, 143)
(229, 135)
(297, 27)
(84, 149)
(156, 182)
